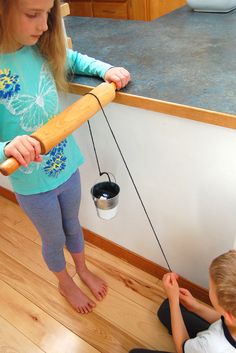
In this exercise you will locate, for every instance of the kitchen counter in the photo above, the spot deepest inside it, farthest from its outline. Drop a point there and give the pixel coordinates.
(182, 59)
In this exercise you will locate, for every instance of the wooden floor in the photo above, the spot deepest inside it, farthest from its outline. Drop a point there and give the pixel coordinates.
(35, 318)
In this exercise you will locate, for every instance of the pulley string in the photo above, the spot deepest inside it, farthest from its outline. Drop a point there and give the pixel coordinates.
(133, 182)
(94, 148)
(95, 152)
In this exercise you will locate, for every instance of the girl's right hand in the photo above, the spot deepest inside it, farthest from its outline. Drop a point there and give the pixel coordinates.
(119, 75)
(24, 149)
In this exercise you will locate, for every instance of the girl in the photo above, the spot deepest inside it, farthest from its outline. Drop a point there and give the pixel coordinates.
(33, 65)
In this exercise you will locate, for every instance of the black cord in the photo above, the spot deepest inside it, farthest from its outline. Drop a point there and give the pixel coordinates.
(95, 152)
(94, 148)
(135, 187)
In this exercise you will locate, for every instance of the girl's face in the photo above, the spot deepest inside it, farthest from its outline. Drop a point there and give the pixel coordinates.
(29, 21)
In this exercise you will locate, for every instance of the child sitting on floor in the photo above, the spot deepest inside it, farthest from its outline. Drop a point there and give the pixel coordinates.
(195, 327)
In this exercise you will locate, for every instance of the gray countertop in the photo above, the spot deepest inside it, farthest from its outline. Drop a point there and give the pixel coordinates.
(184, 57)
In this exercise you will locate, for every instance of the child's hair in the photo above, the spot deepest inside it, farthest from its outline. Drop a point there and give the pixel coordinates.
(223, 274)
(51, 44)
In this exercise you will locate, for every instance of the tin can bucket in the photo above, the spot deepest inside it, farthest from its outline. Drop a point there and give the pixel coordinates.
(105, 195)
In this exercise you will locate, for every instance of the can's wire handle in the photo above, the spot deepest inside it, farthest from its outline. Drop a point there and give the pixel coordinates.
(108, 175)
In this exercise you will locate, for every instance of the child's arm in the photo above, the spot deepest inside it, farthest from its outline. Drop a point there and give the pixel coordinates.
(82, 64)
(207, 313)
(24, 149)
(179, 331)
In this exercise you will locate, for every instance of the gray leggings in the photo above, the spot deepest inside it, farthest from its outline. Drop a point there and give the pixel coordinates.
(55, 215)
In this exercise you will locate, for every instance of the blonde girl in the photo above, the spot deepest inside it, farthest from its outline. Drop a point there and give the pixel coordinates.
(34, 64)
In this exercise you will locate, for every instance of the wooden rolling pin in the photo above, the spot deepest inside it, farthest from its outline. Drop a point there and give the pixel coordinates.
(63, 124)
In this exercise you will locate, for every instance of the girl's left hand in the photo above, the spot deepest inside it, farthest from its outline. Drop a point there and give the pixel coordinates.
(119, 75)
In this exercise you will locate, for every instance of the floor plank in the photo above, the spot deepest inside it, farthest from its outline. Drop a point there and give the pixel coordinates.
(126, 281)
(92, 328)
(12, 341)
(27, 252)
(12, 215)
(39, 327)
(31, 304)
(133, 319)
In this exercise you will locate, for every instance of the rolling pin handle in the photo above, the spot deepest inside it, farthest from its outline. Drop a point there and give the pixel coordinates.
(9, 166)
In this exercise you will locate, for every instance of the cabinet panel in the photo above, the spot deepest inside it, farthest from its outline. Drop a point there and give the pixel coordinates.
(110, 10)
(158, 8)
(137, 10)
(81, 8)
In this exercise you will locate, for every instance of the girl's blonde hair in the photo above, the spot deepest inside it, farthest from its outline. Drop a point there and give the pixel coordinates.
(223, 274)
(51, 44)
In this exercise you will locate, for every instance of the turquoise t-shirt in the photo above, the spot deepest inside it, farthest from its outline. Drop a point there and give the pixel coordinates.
(28, 99)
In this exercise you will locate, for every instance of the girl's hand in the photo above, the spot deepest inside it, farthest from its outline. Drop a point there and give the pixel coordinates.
(171, 286)
(24, 149)
(118, 75)
(187, 300)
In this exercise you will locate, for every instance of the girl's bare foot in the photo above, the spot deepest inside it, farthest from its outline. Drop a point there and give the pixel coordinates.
(97, 286)
(76, 297)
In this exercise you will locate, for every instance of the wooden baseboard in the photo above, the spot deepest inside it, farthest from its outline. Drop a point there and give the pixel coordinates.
(8, 194)
(129, 256)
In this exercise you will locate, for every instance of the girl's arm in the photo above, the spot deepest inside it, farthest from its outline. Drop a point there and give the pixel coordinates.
(82, 64)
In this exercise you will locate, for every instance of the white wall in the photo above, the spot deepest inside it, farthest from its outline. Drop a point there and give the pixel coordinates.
(5, 182)
(185, 172)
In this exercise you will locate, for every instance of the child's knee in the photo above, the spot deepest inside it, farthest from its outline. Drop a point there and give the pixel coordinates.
(163, 314)
(164, 310)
